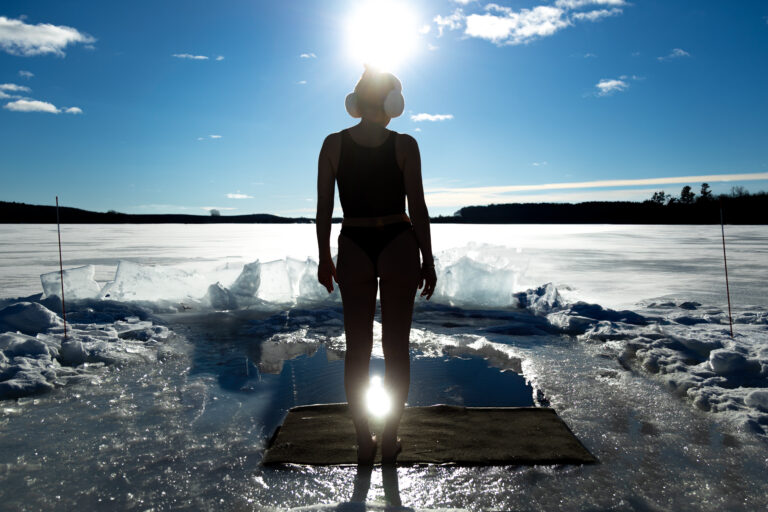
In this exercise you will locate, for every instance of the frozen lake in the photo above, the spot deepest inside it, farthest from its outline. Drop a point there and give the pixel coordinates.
(164, 398)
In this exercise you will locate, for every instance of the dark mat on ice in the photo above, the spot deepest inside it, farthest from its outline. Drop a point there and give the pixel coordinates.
(323, 435)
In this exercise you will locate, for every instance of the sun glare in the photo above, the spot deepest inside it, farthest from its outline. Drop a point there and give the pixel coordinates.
(382, 34)
(377, 398)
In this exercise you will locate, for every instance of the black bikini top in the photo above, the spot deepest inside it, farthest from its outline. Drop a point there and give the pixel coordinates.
(369, 179)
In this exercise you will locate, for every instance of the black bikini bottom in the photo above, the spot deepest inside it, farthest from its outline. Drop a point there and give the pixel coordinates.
(373, 240)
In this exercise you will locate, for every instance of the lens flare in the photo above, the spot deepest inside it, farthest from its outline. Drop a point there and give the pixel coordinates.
(382, 34)
(377, 398)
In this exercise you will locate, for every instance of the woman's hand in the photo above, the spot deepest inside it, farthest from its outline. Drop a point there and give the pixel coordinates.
(326, 274)
(428, 281)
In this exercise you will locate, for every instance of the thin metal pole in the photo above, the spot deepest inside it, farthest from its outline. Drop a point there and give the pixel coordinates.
(725, 262)
(61, 269)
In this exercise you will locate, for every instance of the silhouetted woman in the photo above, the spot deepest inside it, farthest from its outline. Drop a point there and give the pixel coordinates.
(376, 169)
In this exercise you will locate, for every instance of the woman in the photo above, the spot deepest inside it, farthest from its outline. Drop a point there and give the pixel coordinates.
(375, 169)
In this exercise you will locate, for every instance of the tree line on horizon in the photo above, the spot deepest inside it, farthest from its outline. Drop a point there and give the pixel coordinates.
(687, 196)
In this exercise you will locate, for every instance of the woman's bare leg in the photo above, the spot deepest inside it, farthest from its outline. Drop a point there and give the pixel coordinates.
(399, 272)
(357, 283)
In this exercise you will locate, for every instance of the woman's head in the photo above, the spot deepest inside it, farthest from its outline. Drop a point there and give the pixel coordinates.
(376, 94)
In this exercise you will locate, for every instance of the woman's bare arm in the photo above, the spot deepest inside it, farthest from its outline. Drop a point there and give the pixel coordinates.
(410, 162)
(326, 181)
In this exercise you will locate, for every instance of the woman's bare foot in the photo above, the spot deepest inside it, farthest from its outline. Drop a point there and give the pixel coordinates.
(390, 450)
(366, 451)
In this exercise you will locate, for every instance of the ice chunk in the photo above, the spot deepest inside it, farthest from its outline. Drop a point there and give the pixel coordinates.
(220, 298)
(78, 283)
(541, 300)
(28, 317)
(73, 353)
(134, 281)
(726, 362)
(757, 399)
(14, 345)
(246, 286)
(470, 282)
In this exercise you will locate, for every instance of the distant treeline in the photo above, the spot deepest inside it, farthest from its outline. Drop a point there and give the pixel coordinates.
(738, 207)
(20, 213)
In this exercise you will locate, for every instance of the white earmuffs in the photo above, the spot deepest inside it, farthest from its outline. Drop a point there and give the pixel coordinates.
(394, 103)
(351, 104)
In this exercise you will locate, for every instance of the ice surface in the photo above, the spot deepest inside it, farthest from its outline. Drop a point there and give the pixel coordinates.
(629, 341)
(79, 283)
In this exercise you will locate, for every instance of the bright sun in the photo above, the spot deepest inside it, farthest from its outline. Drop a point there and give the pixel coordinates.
(382, 34)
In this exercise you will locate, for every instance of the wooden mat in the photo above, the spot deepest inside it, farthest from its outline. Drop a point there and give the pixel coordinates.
(323, 435)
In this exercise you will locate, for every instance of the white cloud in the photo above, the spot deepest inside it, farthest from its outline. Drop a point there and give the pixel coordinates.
(425, 29)
(26, 74)
(464, 2)
(31, 106)
(505, 193)
(14, 88)
(539, 164)
(589, 55)
(676, 53)
(238, 195)
(505, 26)
(308, 55)
(510, 27)
(431, 117)
(189, 56)
(608, 86)
(22, 39)
(73, 110)
(596, 15)
(431, 47)
(302, 82)
(417, 129)
(220, 58)
(215, 136)
(4, 96)
(452, 22)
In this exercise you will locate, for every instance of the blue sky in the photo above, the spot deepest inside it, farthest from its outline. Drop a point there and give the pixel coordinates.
(183, 106)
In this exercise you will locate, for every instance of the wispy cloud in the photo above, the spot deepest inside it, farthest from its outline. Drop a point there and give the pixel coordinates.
(301, 82)
(238, 195)
(539, 164)
(215, 137)
(676, 53)
(465, 196)
(596, 15)
(608, 86)
(28, 105)
(577, 4)
(450, 22)
(189, 56)
(26, 74)
(14, 88)
(425, 29)
(430, 117)
(308, 55)
(26, 40)
(220, 58)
